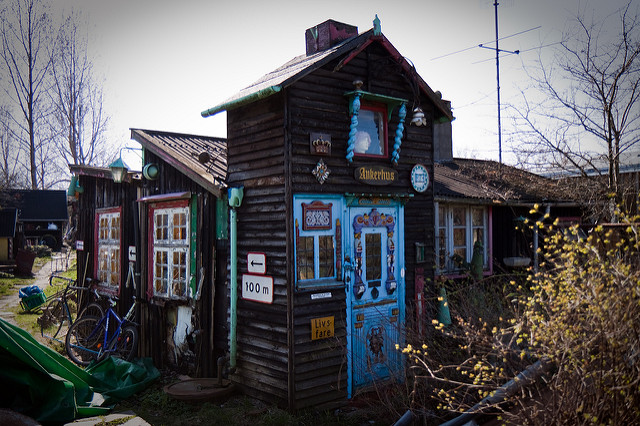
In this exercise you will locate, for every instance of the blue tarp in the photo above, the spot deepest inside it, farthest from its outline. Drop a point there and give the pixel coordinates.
(43, 384)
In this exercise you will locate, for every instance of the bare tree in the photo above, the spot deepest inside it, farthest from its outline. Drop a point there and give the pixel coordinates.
(10, 152)
(79, 122)
(26, 40)
(586, 116)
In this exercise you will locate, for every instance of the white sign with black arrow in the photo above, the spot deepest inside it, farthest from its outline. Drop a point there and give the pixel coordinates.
(257, 263)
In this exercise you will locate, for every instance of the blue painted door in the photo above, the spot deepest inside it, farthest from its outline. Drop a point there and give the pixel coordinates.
(376, 294)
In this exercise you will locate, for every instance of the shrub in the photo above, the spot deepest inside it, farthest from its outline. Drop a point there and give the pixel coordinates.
(579, 314)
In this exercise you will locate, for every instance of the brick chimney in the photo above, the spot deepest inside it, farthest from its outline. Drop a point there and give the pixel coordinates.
(326, 35)
(443, 138)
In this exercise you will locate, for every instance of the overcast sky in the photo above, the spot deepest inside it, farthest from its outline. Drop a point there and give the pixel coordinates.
(163, 62)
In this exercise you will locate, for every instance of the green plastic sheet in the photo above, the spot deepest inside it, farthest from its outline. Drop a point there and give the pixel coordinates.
(43, 384)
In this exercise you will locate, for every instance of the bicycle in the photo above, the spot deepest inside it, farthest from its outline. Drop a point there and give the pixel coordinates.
(58, 314)
(94, 338)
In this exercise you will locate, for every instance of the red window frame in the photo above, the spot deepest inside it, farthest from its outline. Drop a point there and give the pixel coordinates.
(105, 287)
(382, 110)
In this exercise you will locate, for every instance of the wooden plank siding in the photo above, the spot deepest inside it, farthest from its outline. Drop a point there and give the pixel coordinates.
(100, 193)
(256, 161)
(155, 324)
(268, 153)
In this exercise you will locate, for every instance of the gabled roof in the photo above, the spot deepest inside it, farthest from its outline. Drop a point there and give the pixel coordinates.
(36, 205)
(301, 66)
(201, 158)
(8, 219)
(489, 182)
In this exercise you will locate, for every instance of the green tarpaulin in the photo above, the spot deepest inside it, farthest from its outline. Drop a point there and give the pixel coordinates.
(42, 384)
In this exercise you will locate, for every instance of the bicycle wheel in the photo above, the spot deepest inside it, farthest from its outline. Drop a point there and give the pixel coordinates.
(84, 340)
(125, 345)
(93, 310)
(54, 321)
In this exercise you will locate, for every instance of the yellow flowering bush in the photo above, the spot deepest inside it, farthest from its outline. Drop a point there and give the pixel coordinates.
(579, 314)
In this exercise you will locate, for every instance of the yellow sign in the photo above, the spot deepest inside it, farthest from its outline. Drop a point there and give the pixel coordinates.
(322, 328)
(376, 175)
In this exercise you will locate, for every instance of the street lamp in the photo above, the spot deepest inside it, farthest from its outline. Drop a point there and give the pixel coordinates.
(118, 170)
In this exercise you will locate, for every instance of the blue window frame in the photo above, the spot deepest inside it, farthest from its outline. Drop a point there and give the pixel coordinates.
(318, 241)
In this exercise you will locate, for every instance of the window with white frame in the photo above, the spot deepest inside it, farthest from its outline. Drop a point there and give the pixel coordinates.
(317, 242)
(458, 228)
(108, 232)
(170, 251)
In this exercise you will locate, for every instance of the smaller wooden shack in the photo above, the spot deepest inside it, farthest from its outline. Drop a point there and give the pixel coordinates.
(165, 224)
(41, 216)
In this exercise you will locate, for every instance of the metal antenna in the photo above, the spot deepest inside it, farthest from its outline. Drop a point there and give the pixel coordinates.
(497, 49)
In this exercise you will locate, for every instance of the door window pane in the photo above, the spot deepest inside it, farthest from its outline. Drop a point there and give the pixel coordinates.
(373, 248)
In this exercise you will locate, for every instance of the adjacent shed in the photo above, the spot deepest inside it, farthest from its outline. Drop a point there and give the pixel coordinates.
(485, 207)
(163, 226)
(332, 217)
(42, 216)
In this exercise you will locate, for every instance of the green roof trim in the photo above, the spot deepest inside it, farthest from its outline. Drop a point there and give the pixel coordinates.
(235, 103)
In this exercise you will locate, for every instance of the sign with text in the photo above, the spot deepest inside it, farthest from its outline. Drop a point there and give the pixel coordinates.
(256, 263)
(376, 175)
(258, 288)
(322, 328)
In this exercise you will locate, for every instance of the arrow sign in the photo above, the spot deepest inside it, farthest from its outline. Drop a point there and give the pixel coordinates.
(256, 263)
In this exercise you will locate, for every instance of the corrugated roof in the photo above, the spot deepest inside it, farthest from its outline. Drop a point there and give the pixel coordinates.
(36, 205)
(302, 65)
(202, 158)
(491, 182)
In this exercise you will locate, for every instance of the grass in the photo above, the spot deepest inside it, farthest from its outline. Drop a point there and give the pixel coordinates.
(157, 408)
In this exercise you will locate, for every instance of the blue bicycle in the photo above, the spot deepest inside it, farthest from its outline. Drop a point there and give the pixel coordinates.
(94, 338)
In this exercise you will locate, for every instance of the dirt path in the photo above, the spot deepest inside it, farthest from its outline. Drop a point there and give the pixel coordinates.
(10, 301)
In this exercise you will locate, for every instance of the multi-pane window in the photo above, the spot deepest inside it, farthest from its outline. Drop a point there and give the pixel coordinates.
(458, 228)
(170, 250)
(371, 136)
(108, 231)
(317, 242)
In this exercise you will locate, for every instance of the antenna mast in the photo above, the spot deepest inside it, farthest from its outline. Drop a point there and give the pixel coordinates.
(497, 49)
(495, 5)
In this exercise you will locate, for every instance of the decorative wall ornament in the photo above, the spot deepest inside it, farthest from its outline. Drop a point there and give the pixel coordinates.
(375, 339)
(316, 216)
(338, 249)
(353, 128)
(395, 155)
(320, 143)
(321, 172)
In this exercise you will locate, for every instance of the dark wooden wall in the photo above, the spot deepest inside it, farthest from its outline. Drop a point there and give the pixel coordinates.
(268, 153)
(255, 159)
(153, 315)
(99, 193)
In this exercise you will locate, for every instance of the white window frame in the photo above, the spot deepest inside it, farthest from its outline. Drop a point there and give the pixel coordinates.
(172, 247)
(108, 230)
(450, 267)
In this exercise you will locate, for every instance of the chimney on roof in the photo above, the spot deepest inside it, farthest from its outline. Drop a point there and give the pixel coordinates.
(328, 34)
(443, 138)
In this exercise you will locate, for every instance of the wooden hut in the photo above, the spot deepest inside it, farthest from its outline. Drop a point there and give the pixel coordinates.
(165, 223)
(332, 217)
